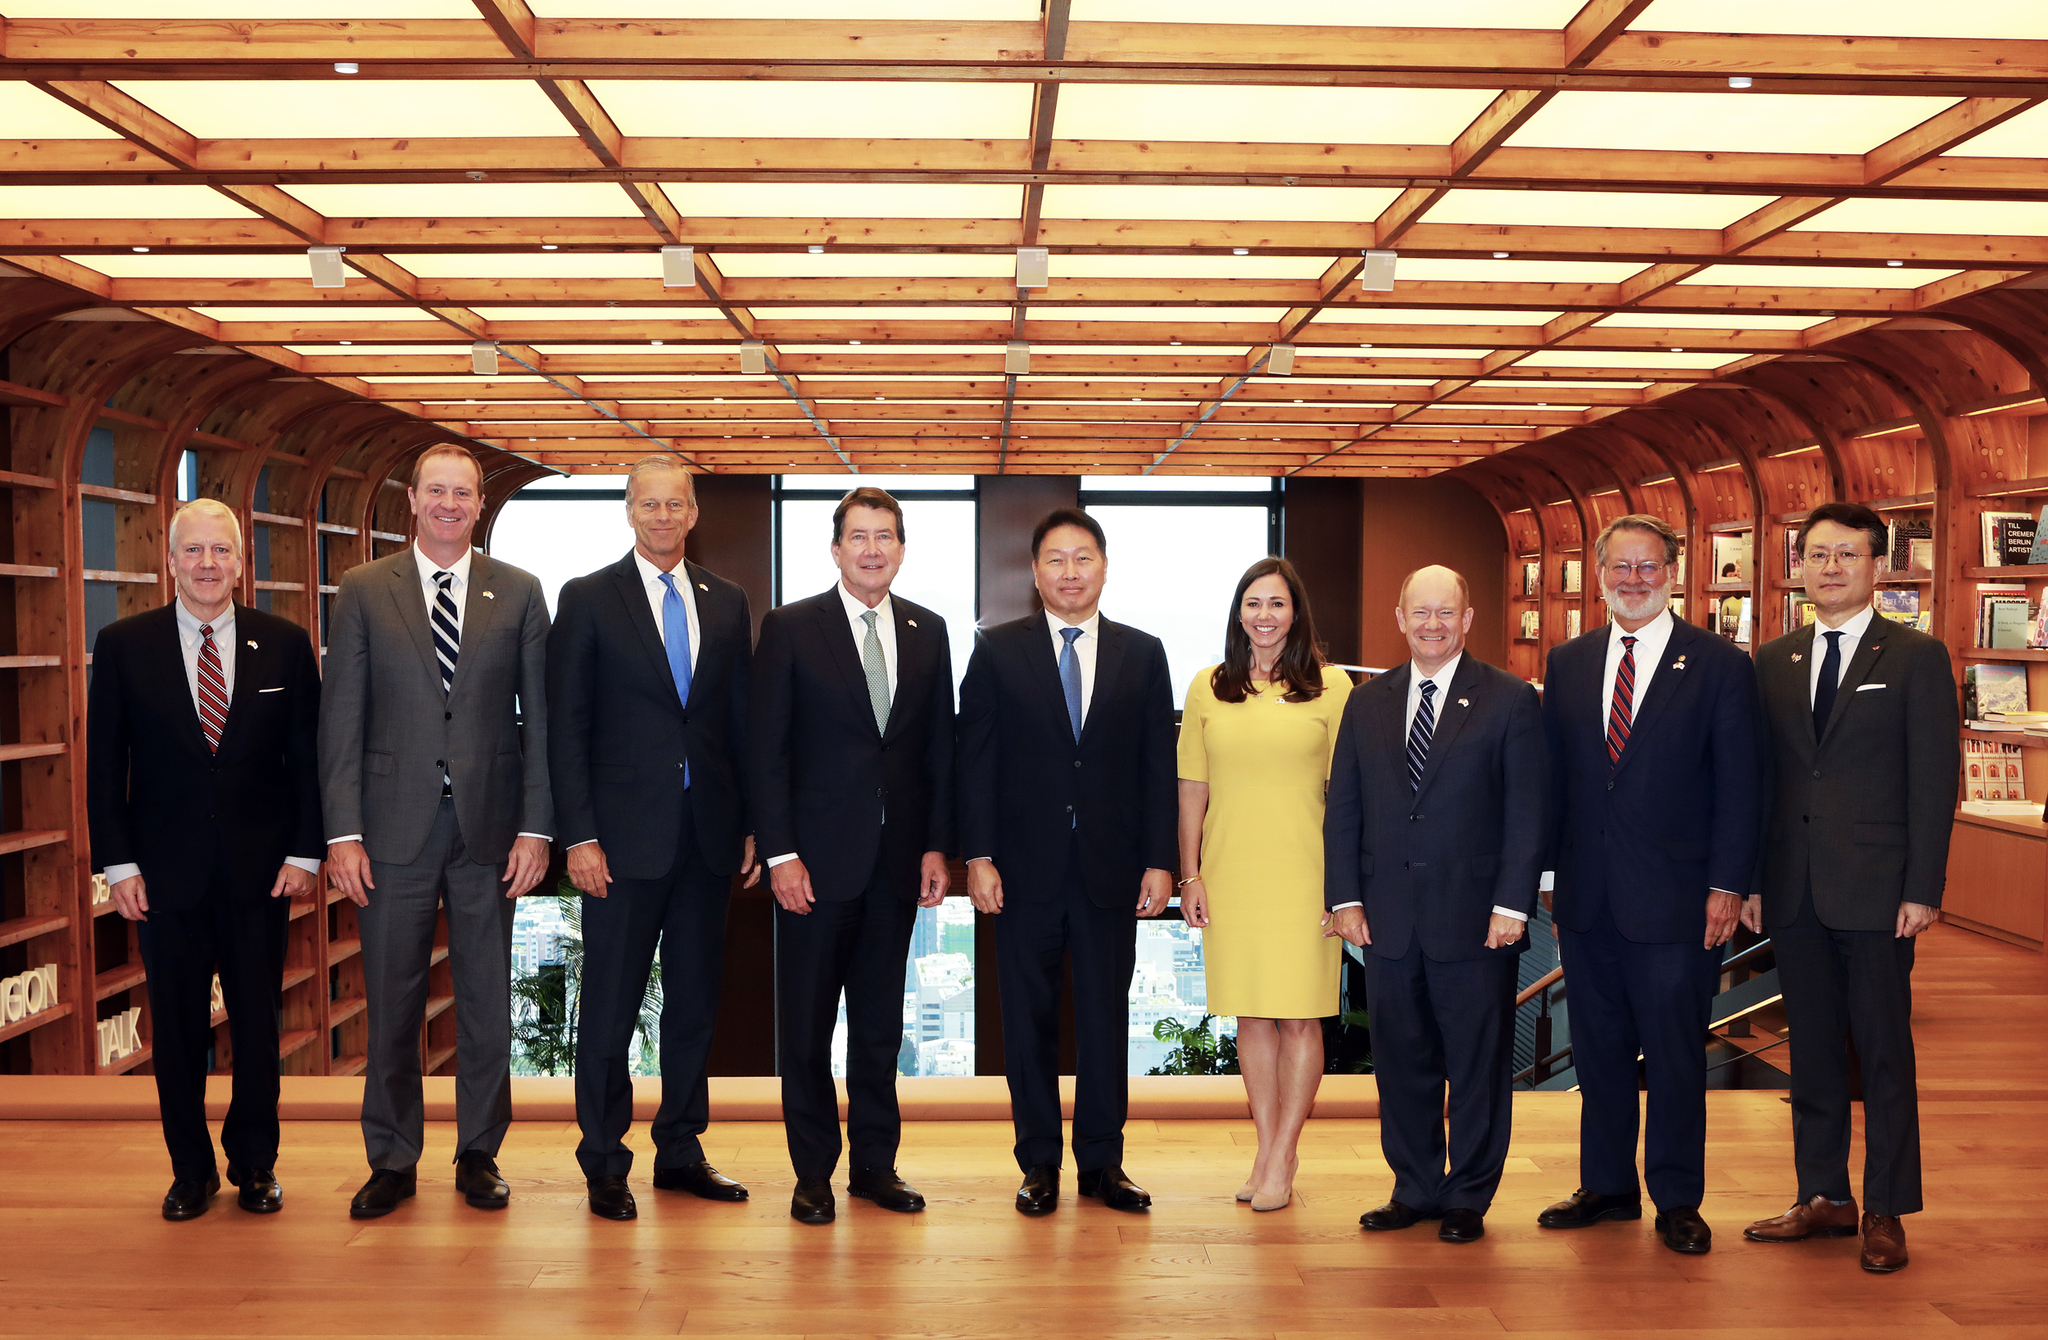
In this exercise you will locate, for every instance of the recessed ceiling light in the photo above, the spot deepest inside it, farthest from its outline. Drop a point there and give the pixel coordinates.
(1500, 255)
(1895, 263)
(1297, 402)
(348, 341)
(1678, 351)
(1738, 81)
(1240, 251)
(1135, 399)
(138, 248)
(345, 67)
(853, 341)
(881, 397)
(1174, 343)
(718, 400)
(1365, 346)
(1543, 404)
(654, 341)
(815, 250)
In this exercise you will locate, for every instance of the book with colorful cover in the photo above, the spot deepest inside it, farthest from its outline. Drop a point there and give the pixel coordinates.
(1897, 602)
(1732, 556)
(2039, 553)
(1991, 687)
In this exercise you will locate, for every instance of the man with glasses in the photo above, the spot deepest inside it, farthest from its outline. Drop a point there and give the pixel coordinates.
(1863, 737)
(1656, 748)
(648, 665)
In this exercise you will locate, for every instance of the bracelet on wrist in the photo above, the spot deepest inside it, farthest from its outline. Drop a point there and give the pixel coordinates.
(1191, 879)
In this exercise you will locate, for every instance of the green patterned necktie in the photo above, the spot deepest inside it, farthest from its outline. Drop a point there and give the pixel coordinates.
(878, 673)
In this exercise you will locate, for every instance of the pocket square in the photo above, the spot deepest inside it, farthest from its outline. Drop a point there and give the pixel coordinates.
(1865, 688)
(278, 689)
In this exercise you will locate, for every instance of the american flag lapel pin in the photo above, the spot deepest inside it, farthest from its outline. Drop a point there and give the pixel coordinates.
(702, 587)
(911, 622)
(1796, 656)
(1678, 664)
(1464, 702)
(490, 595)
(252, 644)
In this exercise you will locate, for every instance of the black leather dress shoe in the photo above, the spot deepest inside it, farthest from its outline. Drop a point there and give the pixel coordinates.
(611, 1198)
(1040, 1193)
(188, 1196)
(381, 1194)
(1462, 1226)
(476, 1177)
(812, 1203)
(1114, 1190)
(699, 1179)
(884, 1188)
(260, 1193)
(1684, 1231)
(1585, 1207)
(1391, 1216)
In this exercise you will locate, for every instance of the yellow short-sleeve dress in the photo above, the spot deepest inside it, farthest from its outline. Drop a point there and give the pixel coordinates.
(1266, 761)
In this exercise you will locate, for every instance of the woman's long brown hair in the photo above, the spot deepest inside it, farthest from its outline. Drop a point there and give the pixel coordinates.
(1301, 659)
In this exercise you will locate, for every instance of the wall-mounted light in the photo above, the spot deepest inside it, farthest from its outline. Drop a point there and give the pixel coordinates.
(1377, 275)
(326, 266)
(483, 358)
(1016, 358)
(678, 269)
(753, 357)
(1281, 361)
(1034, 267)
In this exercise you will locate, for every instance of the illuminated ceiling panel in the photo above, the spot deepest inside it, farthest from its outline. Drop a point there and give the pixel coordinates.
(643, 264)
(842, 200)
(855, 265)
(1188, 267)
(1862, 18)
(299, 315)
(1690, 321)
(1814, 276)
(118, 202)
(2010, 217)
(1727, 122)
(799, 109)
(243, 9)
(1587, 209)
(623, 315)
(344, 110)
(2024, 136)
(1336, 13)
(1229, 115)
(952, 11)
(1424, 269)
(468, 200)
(29, 113)
(127, 266)
(1305, 204)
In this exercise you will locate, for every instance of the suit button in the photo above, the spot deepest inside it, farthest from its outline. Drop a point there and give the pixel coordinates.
(447, 716)
(1070, 809)
(1610, 784)
(1816, 772)
(1077, 762)
(1805, 819)
(440, 763)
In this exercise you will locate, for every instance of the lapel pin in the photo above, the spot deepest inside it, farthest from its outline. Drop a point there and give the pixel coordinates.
(702, 587)
(1464, 702)
(490, 595)
(252, 644)
(1796, 656)
(911, 622)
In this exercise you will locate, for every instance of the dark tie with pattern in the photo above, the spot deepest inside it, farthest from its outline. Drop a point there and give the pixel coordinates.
(1420, 731)
(1623, 712)
(1070, 679)
(447, 629)
(1830, 681)
(213, 690)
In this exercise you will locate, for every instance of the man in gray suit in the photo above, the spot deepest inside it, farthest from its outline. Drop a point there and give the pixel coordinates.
(431, 796)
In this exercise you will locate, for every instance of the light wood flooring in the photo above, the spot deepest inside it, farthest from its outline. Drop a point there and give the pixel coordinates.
(83, 1251)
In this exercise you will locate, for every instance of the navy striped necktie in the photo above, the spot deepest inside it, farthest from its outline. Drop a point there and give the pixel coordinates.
(447, 629)
(1420, 732)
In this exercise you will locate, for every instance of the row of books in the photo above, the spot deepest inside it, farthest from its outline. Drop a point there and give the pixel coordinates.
(2013, 537)
(1993, 771)
(1572, 577)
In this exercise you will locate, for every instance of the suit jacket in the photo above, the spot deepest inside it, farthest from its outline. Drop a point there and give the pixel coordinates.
(618, 736)
(1028, 789)
(1434, 862)
(1865, 812)
(156, 798)
(388, 733)
(1681, 812)
(822, 779)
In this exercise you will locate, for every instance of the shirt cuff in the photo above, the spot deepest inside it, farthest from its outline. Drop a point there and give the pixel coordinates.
(126, 870)
(349, 837)
(1341, 906)
(778, 860)
(1500, 911)
(306, 864)
(1729, 892)
(574, 845)
(544, 837)
(1548, 884)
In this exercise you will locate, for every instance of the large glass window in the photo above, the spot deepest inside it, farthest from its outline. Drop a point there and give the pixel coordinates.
(563, 527)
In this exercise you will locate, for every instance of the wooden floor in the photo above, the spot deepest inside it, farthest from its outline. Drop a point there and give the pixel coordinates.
(83, 1252)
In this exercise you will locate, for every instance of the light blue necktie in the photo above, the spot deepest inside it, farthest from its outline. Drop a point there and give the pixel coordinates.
(675, 636)
(1070, 679)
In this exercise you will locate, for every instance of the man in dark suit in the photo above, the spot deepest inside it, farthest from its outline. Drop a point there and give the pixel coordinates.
(1863, 726)
(436, 793)
(1068, 796)
(1433, 843)
(203, 800)
(1656, 751)
(648, 663)
(851, 766)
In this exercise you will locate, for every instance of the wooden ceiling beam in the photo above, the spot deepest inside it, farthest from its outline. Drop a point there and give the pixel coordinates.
(512, 23)
(126, 117)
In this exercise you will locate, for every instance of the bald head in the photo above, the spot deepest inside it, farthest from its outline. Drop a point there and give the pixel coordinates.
(1435, 614)
(1432, 580)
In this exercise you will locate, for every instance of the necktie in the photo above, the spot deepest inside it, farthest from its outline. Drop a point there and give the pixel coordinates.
(878, 673)
(447, 628)
(1830, 680)
(1623, 711)
(675, 637)
(213, 690)
(1070, 679)
(1420, 731)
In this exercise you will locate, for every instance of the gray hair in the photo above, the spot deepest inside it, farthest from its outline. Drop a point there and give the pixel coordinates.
(648, 465)
(1642, 521)
(213, 507)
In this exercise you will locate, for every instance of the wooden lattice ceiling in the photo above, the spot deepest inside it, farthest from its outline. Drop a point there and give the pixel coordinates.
(1589, 213)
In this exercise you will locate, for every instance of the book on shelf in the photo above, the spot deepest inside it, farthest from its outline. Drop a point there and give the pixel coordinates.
(2008, 537)
(2039, 553)
(1795, 561)
(2012, 624)
(1529, 623)
(1799, 610)
(1993, 770)
(1744, 629)
(1574, 576)
(1574, 623)
(1532, 579)
(1912, 545)
(1677, 609)
(1895, 602)
(1989, 687)
(2003, 809)
(1995, 602)
(1728, 615)
(1732, 556)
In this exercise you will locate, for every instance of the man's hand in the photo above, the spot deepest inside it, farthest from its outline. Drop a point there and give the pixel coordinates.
(1194, 903)
(1502, 930)
(131, 900)
(749, 866)
(933, 879)
(1155, 890)
(1914, 918)
(588, 869)
(791, 885)
(1753, 913)
(348, 869)
(1723, 910)
(292, 882)
(1347, 924)
(527, 864)
(984, 886)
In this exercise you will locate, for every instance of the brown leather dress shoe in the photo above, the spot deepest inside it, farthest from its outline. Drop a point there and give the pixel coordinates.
(1816, 1218)
(1884, 1244)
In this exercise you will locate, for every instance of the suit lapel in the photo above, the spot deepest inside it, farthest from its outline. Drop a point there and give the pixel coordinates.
(1109, 659)
(479, 612)
(1796, 692)
(1453, 707)
(1664, 686)
(406, 594)
(1392, 714)
(166, 648)
(1868, 650)
(840, 649)
(625, 576)
(1043, 665)
(913, 664)
(252, 659)
(702, 599)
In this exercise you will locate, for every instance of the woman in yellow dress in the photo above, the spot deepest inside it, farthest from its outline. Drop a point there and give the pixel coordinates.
(1255, 746)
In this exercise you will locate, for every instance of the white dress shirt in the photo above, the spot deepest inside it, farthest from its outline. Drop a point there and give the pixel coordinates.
(1085, 647)
(1852, 631)
(885, 630)
(189, 643)
(458, 591)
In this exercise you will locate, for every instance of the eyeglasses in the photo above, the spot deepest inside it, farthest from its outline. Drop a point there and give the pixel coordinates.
(1848, 558)
(1648, 569)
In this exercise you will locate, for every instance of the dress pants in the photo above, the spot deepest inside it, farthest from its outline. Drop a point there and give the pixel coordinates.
(398, 943)
(685, 910)
(1432, 1024)
(1840, 984)
(860, 946)
(239, 933)
(1036, 930)
(1656, 1000)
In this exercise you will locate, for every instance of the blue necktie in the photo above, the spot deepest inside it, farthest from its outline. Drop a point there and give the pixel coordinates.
(1420, 732)
(1830, 681)
(675, 636)
(1070, 679)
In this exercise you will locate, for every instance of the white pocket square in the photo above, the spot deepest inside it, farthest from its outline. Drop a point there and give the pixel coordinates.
(1865, 688)
(278, 689)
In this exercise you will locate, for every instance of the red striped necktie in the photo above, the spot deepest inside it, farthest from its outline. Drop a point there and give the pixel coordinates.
(213, 690)
(1619, 715)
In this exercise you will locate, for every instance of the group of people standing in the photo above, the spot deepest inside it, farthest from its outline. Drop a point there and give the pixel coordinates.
(457, 734)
